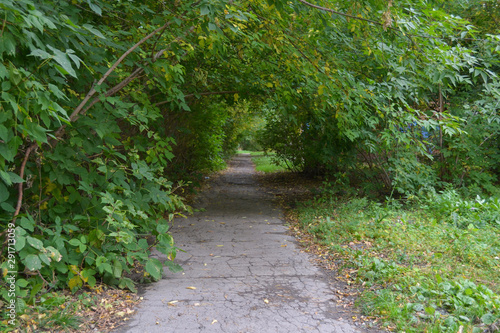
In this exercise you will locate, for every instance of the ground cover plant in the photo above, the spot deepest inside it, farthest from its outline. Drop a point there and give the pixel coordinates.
(432, 265)
(266, 162)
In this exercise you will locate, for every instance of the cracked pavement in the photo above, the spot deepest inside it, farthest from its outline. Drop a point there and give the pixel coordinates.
(242, 271)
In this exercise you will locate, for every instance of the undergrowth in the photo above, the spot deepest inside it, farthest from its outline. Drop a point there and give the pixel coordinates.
(430, 265)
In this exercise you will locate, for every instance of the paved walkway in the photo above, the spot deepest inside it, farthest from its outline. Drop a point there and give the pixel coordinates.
(242, 272)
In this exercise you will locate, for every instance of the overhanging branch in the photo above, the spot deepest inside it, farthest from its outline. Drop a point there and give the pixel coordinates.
(339, 13)
(202, 94)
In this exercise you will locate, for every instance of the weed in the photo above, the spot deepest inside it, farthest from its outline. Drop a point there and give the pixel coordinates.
(431, 266)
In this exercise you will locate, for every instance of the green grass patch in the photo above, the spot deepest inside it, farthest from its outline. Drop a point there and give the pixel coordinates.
(243, 152)
(431, 267)
(265, 161)
(255, 153)
(268, 164)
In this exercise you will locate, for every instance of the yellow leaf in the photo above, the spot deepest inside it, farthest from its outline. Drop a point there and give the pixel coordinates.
(192, 288)
(75, 281)
(269, 85)
(73, 269)
(51, 186)
(321, 88)
(236, 96)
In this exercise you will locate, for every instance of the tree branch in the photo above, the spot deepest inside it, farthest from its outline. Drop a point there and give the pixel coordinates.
(27, 154)
(92, 91)
(202, 94)
(339, 13)
(79, 108)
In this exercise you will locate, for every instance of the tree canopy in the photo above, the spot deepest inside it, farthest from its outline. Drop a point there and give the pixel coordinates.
(108, 106)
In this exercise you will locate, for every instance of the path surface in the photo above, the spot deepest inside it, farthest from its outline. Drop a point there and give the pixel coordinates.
(249, 275)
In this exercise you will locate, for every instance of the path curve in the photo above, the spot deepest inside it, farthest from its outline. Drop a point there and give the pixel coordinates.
(249, 274)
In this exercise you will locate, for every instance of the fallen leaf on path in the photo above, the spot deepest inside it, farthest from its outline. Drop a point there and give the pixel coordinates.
(192, 288)
(266, 301)
(214, 321)
(172, 302)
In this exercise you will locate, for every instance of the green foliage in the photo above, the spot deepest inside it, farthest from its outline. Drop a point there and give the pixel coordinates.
(445, 305)
(411, 105)
(449, 206)
(107, 108)
(101, 118)
(208, 136)
(249, 136)
(93, 180)
(429, 267)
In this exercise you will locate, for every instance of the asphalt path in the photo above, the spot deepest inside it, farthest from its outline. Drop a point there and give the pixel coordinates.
(242, 271)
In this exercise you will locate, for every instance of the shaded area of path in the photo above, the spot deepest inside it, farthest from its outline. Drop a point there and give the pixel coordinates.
(249, 275)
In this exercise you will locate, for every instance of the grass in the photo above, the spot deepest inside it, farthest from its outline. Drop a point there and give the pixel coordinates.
(422, 271)
(265, 162)
(244, 152)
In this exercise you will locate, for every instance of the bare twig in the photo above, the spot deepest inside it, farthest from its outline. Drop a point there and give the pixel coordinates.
(111, 69)
(20, 185)
(3, 25)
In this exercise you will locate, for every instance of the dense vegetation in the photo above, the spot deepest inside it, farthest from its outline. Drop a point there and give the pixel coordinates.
(432, 265)
(108, 108)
